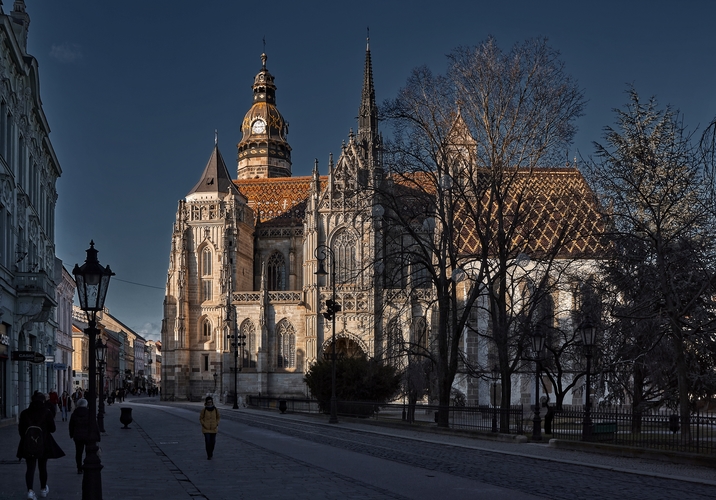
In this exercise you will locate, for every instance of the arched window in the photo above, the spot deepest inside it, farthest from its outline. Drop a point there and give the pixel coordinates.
(419, 341)
(276, 272)
(249, 353)
(286, 340)
(207, 284)
(206, 262)
(206, 330)
(393, 343)
(344, 248)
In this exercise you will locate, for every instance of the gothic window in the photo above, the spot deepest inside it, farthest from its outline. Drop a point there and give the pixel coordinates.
(344, 249)
(207, 284)
(419, 339)
(419, 275)
(286, 340)
(206, 262)
(249, 354)
(393, 343)
(276, 270)
(206, 330)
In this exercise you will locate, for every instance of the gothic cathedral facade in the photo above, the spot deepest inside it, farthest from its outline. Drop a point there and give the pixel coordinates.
(244, 256)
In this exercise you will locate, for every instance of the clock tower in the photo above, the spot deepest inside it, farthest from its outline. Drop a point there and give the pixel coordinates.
(264, 151)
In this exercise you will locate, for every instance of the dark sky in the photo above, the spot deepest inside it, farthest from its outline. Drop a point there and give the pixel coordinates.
(133, 92)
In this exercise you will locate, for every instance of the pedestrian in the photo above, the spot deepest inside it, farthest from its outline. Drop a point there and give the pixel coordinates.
(66, 404)
(36, 442)
(79, 427)
(54, 401)
(209, 418)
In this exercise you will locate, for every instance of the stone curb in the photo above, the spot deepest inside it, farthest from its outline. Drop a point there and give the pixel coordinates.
(633, 452)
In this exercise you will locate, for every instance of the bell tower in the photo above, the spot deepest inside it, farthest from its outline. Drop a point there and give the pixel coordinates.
(263, 150)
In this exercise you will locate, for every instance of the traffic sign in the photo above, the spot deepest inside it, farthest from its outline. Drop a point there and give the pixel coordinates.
(31, 356)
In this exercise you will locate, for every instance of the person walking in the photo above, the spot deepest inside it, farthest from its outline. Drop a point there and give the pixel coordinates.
(36, 442)
(66, 404)
(80, 430)
(54, 401)
(209, 418)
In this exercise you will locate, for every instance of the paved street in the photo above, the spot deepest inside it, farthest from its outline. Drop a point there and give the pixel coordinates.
(272, 456)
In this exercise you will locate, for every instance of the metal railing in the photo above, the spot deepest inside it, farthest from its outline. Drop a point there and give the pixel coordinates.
(478, 418)
(652, 429)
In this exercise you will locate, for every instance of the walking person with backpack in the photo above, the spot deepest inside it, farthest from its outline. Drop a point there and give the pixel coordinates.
(36, 442)
(80, 430)
(209, 418)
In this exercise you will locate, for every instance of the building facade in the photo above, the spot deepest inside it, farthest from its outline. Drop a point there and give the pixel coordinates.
(29, 270)
(245, 251)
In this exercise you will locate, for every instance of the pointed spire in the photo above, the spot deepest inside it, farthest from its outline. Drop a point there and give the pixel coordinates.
(216, 177)
(368, 113)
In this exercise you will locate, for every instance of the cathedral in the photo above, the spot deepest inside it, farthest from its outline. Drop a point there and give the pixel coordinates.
(245, 252)
(246, 287)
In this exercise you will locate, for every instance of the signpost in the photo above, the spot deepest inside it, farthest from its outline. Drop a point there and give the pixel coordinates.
(31, 356)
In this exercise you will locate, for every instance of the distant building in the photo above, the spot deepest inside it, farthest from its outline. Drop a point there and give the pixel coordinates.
(125, 350)
(29, 270)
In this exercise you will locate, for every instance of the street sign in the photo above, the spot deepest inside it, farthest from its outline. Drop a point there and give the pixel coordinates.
(31, 356)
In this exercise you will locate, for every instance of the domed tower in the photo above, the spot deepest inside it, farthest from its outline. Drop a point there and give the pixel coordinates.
(263, 150)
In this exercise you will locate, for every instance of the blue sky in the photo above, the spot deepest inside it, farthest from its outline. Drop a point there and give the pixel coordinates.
(133, 92)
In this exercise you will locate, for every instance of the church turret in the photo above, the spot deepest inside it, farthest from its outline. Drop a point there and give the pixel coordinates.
(263, 150)
(20, 23)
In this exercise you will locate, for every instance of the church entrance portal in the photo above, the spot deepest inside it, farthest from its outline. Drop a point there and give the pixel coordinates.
(345, 347)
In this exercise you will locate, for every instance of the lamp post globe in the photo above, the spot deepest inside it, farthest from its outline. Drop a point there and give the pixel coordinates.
(92, 281)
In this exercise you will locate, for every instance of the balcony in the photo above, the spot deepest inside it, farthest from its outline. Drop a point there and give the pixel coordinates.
(35, 295)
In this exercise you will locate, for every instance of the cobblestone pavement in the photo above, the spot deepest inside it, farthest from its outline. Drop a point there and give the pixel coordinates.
(271, 456)
(555, 474)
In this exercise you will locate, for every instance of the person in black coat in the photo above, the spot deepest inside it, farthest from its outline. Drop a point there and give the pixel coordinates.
(79, 427)
(37, 414)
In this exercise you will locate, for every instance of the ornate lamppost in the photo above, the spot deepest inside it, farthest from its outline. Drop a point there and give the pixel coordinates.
(237, 342)
(92, 282)
(589, 339)
(102, 360)
(537, 346)
(332, 307)
(495, 375)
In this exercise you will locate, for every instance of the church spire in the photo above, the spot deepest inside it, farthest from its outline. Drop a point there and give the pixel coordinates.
(368, 113)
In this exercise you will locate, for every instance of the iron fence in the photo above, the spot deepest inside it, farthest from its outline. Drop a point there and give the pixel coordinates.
(653, 429)
(480, 418)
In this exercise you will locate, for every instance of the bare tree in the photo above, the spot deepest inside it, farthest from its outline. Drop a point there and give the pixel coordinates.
(464, 168)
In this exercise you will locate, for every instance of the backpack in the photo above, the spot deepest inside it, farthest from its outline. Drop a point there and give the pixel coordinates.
(34, 442)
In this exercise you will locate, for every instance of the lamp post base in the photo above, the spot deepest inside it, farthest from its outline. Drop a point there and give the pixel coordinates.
(92, 477)
(537, 426)
(334, 411)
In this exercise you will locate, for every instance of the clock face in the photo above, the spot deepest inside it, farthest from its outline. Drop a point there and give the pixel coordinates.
(259, 127)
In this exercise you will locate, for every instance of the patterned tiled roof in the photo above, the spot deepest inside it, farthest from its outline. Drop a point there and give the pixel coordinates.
(559, 215)
(558, 212)
(279, 201)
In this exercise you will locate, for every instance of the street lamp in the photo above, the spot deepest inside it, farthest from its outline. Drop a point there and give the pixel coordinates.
(332, 307)
(537, 346)
(589, 339)
(237, 342)
(101, 359)
(92, 282)
(495, 374)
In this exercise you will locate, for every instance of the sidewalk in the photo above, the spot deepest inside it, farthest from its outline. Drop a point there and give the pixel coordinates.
(128, 467)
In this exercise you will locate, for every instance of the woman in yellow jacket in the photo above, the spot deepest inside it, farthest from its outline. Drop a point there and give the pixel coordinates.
(209, 418)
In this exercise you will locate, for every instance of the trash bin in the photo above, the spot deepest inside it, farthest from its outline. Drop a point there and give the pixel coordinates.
(126, 417)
